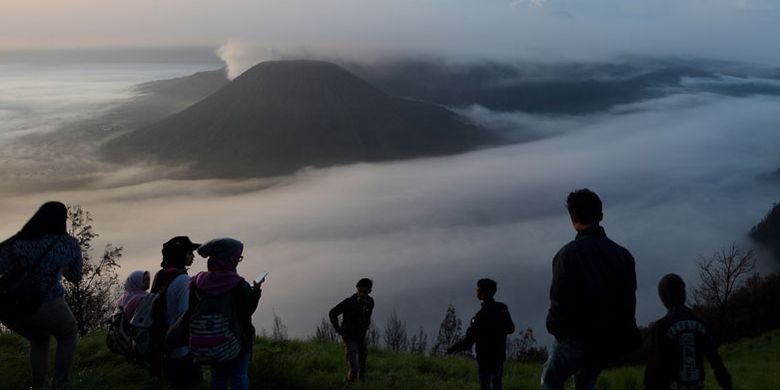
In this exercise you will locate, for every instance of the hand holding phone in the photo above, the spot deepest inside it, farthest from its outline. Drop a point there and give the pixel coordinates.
(260, 279)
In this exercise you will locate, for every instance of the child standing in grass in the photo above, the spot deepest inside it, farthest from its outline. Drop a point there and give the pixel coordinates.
(679, 343)
(488, 330)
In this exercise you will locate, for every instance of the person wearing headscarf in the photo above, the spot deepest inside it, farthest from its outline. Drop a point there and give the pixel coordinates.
(223, 255)
(44, 248)
(136, 288)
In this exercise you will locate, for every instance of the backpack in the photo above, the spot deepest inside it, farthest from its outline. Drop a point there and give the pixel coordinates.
(119, 335)
(145, 326)
(148, 325)
(215, 332)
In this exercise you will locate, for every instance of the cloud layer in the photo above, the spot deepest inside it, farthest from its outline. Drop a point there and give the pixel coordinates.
(680, 176)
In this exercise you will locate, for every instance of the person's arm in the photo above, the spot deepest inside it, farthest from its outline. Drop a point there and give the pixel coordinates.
(653, 370)
(721, 374)
(254, 298)
(629, 298)
(370, 310)
(6, 262)
(471, 337)
(179, 291)
(334, 314)
(563, 295)
(74, 269)
(509, 325)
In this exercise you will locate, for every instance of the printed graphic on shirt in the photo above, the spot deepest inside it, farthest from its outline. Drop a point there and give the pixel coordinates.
(685, 326)
(689, 370)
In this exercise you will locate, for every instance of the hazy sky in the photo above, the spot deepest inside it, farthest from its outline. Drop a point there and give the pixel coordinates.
(550, 29)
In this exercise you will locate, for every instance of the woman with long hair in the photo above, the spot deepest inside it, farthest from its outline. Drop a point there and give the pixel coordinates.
(44, 248)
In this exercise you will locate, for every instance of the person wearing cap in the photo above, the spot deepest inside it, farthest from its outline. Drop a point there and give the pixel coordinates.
(223, 255)
(678, 344)
(172, 283)
(488, 330)
(356, 318)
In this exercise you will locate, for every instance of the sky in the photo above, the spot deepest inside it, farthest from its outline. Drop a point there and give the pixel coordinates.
(462, 29)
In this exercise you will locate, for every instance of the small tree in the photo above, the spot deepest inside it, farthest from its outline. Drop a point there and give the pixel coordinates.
(450, 331)
(523, 348)
(325, 331)
(721, 275)
(373, 336)
(395, 333)
(93, 299)
(418, 343)
(279, 331)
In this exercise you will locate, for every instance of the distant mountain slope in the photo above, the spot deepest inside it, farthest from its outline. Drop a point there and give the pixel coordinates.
(561, 88)
(160, 98)
(281, 116)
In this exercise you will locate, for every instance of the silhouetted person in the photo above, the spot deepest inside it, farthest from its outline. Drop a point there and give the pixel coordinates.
(356, 318)
(45, 249)
(222, 281)
(592, 300)
(488, 330)
(678, 344)
(172, 282)
(136, 288)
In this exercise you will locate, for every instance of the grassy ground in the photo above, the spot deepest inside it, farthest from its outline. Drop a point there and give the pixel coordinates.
(754, 363)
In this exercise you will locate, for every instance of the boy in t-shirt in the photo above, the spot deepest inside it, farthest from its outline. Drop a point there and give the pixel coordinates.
(679, 343)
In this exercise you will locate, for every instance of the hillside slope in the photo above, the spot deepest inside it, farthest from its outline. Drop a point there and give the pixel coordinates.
(753, 363)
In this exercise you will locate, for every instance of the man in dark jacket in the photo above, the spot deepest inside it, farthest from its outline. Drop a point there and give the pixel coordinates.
(356, 318)
(678, 344)
(592, 300)
(488, 330)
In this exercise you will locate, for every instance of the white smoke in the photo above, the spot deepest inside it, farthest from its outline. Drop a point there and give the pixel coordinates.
(239, 56)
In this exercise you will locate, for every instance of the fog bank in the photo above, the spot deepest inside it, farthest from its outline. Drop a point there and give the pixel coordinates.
(680, 177)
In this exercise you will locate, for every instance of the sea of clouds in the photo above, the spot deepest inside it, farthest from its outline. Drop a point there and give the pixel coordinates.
(680, 177)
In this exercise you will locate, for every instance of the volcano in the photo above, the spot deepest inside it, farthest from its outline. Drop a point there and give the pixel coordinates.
(281, 116)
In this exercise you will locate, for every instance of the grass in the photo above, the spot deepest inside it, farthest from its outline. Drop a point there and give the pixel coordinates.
(754, 364)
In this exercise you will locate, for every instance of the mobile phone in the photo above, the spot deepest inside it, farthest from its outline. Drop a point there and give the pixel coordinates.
(260, 279)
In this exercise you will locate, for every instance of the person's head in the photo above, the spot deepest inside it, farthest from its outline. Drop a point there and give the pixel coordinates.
(224, 254)
(584, 208)
(364, 287)
(177, 252)
(486, 289)
(671, 289)
(50, 219)
(138, 281)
